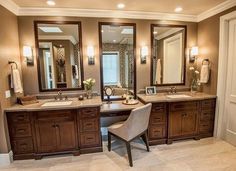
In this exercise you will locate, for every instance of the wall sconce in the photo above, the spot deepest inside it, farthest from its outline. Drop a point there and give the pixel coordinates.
(28, 54)
(193, 54)
(91, 55)
(143, 54)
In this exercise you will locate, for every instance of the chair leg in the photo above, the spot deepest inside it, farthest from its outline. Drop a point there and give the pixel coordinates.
(129, 154)
(145, 139)
(109, 141)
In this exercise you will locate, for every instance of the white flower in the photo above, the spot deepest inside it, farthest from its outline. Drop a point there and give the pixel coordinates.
(191, 68)
(197, 72)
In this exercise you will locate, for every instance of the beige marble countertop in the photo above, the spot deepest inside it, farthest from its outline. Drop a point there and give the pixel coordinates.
(117, 106)
(162, 97)
(76, 104)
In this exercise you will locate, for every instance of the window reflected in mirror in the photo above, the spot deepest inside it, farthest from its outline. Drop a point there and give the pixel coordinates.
(168, 55)
(59, 55)
(118, 59)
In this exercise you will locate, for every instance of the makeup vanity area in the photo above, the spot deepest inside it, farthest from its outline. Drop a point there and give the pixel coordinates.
(71, 126)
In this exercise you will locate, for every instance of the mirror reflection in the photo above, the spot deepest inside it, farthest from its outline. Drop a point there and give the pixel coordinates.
(117, 56)
(59, 56)
(168, 55)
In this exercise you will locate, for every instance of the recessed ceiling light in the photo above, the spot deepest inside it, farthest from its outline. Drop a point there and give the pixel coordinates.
(51, 29)
(51, 2)
(178, 9)
(155, 32)
(120, 5)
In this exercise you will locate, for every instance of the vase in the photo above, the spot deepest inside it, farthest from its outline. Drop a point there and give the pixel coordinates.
(89, 94)
(194, 86)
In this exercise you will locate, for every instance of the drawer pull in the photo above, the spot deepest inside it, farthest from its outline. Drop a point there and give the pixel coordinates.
(90, 138)
(21, 130)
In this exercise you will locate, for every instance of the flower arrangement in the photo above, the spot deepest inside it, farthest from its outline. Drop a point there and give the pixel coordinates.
(195, 79)
(89, 83)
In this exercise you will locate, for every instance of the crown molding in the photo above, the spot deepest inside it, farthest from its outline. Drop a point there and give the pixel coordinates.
(10, 5)
(216, 10)
(57, 37)
(104, 14)
(28, 11)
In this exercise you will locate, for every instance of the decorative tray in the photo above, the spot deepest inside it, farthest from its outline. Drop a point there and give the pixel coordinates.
(130, 102)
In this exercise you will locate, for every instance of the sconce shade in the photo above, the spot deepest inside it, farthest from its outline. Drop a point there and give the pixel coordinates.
(27, 51)
(194, 51)
(144, 51)
(90, 51)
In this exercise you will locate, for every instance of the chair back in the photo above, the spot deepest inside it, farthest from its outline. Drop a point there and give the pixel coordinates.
(138, 121)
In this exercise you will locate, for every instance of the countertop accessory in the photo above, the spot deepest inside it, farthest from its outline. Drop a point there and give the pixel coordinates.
(130, 102)
(108, 92)
(81, 97)
(26, 100)
(151, 90)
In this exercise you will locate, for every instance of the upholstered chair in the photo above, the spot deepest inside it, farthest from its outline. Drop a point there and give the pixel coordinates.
(135, 126)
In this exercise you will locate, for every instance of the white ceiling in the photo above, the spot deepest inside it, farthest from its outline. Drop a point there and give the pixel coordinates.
(193, 7)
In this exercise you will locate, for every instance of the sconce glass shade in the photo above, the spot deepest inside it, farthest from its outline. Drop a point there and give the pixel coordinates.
(144, 54)
(27, 51)
(28, 54)
(194, 51)
(91, 54)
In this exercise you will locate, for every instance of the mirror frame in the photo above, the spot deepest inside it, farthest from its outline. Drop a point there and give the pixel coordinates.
(100, 24)
(152, 54)
(78, 23)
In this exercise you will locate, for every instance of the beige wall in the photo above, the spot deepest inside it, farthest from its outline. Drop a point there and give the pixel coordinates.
(90, 37)
(9, 50)
(208, 42)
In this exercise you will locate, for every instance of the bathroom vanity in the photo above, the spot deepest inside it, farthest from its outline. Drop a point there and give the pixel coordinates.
(37, 131)
(175, 118)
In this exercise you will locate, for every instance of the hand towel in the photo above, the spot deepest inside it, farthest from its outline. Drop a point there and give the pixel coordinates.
(205, 74)
(16, 83)
(76, 72)
(158, 72)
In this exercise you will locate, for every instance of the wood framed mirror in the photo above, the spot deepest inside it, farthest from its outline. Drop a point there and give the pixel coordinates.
(117, 46)
(168, 54)
(59, 55)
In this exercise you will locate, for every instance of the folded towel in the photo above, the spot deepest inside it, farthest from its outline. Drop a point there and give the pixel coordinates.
(205, 74)
(16, 81)
(158, 72)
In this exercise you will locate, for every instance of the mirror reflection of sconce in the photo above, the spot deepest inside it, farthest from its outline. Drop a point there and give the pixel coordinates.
(143, 54)
(193, 53)
(91, 55)
(28, 54)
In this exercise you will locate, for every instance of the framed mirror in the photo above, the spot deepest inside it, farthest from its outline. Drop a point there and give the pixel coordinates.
(117, 43)
(168, 62)
(59, 55)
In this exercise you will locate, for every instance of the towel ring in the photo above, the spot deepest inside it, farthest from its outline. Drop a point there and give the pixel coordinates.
(206, 60)
(13, 62)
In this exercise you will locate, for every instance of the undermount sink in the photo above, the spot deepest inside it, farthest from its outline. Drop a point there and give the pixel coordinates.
(57, 103)
(178, 96)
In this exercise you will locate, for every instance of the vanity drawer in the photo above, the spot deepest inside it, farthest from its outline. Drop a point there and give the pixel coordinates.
(156, 132)
(22, 146)
(89, 125)
(157, 118)
(208, 104)
(19, 117)
(57, 115)
(20, 130)
(179, 106)
(207, 115)
(89, 113)
(89, 139)
(158, 108)
(206, 126)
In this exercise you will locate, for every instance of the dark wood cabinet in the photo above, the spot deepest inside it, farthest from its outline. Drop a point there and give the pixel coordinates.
(35, 134)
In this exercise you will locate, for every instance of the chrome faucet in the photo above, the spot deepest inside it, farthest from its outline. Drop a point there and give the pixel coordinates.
(173, 90)
(59, 95)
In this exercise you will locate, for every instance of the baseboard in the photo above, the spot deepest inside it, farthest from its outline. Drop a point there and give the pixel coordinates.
(231, 137)
(6, 158)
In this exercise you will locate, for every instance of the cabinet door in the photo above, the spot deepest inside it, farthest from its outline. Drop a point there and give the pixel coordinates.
(66, 135)
(175, 124)
(189, 123)
(46, 136)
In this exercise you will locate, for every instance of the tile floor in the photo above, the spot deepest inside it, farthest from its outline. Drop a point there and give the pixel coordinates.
(204, 155)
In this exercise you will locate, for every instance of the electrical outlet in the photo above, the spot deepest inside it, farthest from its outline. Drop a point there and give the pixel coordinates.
(8, 93)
